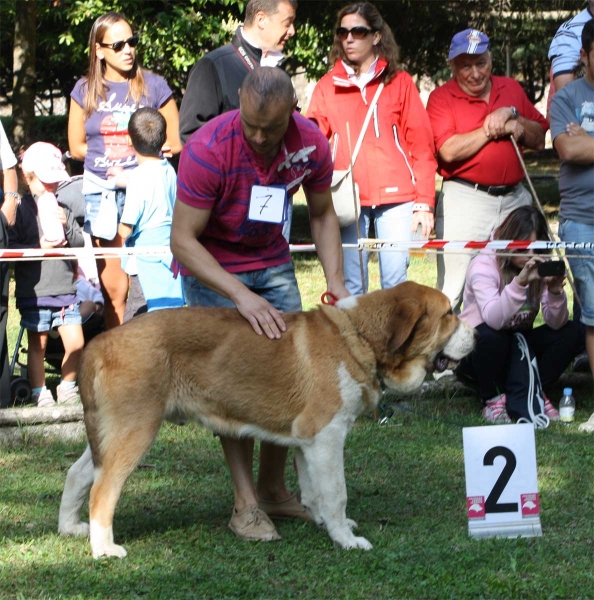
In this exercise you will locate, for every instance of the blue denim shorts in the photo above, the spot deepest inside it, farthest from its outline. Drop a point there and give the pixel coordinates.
(43, 319)
(92, 204)
(278, 285)
(583, 267)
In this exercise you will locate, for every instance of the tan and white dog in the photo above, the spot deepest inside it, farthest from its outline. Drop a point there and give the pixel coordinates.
(304, 390)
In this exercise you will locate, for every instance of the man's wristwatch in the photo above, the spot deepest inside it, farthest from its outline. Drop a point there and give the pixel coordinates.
(15, 195)
(515, 112)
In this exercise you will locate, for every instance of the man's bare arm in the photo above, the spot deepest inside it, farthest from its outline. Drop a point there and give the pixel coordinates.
(575, 146)
(326, 236)
(188, 224)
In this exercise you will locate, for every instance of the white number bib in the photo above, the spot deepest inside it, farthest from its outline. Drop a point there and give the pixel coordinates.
(268, 203)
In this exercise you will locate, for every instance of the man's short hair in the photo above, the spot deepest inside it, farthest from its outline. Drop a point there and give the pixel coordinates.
(269, 7)
(588, 36)
(148, 131)
(268, 85)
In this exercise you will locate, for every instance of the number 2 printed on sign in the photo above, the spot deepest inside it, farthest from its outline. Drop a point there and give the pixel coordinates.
(491, 504)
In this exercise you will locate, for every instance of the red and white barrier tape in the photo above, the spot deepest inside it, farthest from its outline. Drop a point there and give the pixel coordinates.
(372, 245)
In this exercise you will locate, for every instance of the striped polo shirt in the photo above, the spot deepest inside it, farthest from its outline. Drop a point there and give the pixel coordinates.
(217, 170)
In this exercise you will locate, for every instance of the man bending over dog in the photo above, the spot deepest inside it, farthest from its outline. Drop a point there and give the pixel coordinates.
(236, 175)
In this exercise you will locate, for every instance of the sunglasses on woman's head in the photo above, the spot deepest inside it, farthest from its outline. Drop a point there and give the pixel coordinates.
(358, 33)
(119, 46)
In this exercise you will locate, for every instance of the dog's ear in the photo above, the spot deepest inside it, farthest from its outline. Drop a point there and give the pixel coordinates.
(403, 321)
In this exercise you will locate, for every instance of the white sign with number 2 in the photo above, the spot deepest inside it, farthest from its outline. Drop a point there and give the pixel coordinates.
(501, 482)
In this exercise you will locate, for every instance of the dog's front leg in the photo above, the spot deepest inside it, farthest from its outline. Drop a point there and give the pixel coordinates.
(308, 493)
(325, 465)
(76, 490)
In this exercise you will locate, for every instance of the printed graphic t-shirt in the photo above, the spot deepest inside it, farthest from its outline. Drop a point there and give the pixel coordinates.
(574, 103)
(107, 127)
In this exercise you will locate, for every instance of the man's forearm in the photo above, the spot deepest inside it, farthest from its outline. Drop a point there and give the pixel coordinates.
(10, 203)
(204, 267)
(462, 146)
(578, 149)
(326, 237)
(534, 135)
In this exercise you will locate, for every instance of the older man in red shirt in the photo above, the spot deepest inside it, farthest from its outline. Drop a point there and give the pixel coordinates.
(473, 117)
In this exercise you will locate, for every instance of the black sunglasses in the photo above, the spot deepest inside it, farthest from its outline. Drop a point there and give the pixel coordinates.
(119, 46)
(358, 33)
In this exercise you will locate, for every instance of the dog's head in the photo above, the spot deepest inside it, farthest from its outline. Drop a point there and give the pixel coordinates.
(412, 330)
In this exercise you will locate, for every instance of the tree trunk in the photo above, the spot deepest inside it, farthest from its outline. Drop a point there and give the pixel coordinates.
(23, 91)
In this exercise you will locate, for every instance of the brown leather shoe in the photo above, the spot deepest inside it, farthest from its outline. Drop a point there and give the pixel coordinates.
(290, 508)
(252, 524)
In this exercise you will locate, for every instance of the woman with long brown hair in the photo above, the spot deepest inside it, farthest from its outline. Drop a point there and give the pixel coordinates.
(395, 168)
(100, 108)
(502, 297)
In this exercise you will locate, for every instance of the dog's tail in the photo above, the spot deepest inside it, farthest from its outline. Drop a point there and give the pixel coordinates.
(114, 399)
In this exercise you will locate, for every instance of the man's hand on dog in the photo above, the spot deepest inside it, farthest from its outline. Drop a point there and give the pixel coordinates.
(261, 315)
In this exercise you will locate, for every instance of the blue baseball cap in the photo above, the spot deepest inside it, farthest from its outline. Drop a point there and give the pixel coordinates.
(469, 41)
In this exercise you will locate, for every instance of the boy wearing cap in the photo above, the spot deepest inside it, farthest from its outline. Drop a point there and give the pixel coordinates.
(473, 117)
(46, 289)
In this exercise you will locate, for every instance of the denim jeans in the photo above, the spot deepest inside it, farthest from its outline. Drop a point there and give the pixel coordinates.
(391, 222)
(92, 204)
(41, 319)
(277, 285)
(583, 267)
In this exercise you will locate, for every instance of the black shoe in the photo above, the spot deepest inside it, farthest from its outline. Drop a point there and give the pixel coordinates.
(581, 363)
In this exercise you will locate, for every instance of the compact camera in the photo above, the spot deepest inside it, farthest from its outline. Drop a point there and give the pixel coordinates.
(551, 268)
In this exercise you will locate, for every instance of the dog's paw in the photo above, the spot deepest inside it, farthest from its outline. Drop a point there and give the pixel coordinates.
(79, 529)
(351, 524)
(109, 550)
(359, 543)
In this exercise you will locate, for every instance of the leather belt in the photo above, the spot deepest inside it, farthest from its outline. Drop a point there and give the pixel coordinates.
(493, 190)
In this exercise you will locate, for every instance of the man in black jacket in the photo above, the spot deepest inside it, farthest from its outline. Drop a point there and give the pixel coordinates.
(215, 79)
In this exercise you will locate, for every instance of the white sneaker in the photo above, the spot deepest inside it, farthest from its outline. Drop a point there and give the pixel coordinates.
(67, 394)
(44, 398)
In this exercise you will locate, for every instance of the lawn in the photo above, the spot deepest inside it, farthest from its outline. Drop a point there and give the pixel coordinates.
(406, 489)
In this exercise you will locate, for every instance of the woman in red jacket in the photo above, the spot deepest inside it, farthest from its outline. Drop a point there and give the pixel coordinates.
(395, 168)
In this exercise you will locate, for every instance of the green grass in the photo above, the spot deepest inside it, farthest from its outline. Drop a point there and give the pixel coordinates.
(406, 490)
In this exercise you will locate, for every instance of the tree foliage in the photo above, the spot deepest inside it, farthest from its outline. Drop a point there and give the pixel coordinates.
(175, 33)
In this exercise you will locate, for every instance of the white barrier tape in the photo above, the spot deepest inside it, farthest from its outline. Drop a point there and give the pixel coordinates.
(18, 255)
(372, 245)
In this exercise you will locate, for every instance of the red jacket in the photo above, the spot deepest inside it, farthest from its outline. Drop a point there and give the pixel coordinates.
(396, 162)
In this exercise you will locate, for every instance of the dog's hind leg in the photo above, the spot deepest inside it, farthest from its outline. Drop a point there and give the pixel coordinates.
(76, 490)
(122, 455)
(325, 461)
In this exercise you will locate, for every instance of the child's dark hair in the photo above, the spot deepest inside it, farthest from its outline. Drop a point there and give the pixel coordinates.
(148, 131)
(520, 224)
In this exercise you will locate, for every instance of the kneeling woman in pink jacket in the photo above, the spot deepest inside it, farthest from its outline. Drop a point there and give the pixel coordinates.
(502, 297)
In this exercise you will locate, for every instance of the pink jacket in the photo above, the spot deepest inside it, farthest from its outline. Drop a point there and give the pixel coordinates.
(486, 302)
